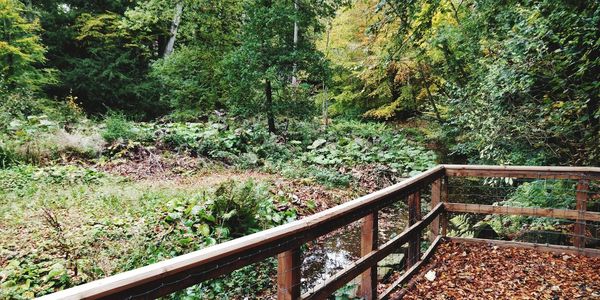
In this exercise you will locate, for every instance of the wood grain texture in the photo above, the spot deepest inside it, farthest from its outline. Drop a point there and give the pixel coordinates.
(436, 198)
(368, 243)
(583, 187)
(414, 215)
(523, 211)
(522, 171)
(289, 273)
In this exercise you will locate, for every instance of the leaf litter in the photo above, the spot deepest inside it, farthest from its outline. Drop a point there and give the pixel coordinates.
(473, 271)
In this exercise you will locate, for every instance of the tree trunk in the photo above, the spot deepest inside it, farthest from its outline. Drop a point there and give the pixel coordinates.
(295, 67)
(269, 106)
(174, 26)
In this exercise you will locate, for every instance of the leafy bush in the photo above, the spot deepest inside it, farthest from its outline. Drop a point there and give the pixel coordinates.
(352, 143)
(18, 178)
(246, 145)
(118, 128)
(25, 279)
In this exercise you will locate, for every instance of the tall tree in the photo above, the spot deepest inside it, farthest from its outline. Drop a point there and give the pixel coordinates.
(20, 48)
(518, 79)
(269, 53)
(174, 27)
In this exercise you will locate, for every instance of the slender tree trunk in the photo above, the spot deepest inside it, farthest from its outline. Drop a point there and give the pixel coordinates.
(430, 96)
(269, 106)
(295, 68)
(326, 100)
(9, 57)
(174, 27)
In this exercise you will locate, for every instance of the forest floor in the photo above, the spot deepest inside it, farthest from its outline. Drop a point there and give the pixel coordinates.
(490, 272)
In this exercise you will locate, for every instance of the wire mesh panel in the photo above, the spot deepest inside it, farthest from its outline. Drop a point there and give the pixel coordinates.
(535, 210)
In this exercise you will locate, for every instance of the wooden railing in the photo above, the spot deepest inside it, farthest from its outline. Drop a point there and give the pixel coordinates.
(285, 241)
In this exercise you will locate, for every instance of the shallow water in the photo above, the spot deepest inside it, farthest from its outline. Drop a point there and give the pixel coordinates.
(341, 248)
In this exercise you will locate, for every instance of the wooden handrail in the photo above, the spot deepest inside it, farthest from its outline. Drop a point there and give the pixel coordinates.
(522, 211)
(522, 171)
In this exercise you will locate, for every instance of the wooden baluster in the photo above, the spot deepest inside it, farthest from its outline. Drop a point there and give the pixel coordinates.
(436, 198)
(414, 215)
(369, 242)
(582, 195)
(444, 199)
(288, 275)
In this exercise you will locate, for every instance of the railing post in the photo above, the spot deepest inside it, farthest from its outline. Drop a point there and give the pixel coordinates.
(368, 243)
(444, 199)
(289, 274)
(414, 215)
(436, 198)
(582, 195)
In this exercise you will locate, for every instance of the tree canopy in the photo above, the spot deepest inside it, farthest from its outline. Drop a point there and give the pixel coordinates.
(511, 82)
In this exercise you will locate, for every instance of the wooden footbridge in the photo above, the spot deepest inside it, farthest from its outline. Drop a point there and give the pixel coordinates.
(285, 242)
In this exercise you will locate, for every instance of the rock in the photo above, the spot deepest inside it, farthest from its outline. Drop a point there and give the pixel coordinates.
(383, 272)
(392, 260)
(430, 275)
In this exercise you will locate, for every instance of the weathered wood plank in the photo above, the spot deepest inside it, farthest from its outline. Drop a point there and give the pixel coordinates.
(186, 270)
(444, 199)
(411, 272)
(289, 273)
(414, 215)
(368, 243)
(523, 211)
(436, 198)
(522, 171)
(583, 187)
(538, 247)
(338, 280)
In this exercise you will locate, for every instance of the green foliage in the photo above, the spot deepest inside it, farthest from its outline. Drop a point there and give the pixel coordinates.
(20, 50)
(112, 70)
(245, 282)
(351, 143)
(25, 279)
(101, 226)
(188, 80)
(262, 66)
(118, 128)
(514, 79)
(347, 292)
(461, 226)
(18, 179)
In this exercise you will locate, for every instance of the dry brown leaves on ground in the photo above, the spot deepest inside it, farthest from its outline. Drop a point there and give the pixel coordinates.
(469, 271)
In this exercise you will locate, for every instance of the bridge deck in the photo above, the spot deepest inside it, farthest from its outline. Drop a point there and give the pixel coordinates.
(460, 270)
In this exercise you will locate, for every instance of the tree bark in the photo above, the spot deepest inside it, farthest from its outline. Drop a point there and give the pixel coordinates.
(295, 67)
(269, 106)
(174, 27)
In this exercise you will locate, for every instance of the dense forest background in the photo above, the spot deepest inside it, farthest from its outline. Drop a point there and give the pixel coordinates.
(507, 82)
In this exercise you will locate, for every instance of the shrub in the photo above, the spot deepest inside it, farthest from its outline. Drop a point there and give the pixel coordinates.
(118, 128)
